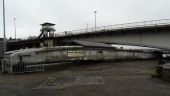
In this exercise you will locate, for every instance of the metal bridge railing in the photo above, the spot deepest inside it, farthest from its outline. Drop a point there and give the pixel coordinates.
(117, 26)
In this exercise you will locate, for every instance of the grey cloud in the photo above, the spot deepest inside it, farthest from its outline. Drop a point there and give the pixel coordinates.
(75, 14)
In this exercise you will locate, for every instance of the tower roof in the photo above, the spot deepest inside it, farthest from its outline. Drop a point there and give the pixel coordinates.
(47, 23)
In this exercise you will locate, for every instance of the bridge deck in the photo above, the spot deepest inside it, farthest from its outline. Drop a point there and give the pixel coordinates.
(143, 24)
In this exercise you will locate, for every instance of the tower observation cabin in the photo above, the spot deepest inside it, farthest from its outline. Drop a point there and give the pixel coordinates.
(47, 30)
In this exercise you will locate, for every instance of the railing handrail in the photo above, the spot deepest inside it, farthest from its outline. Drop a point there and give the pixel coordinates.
(119, 26)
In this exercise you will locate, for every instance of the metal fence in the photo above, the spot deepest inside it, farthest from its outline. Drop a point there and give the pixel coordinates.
(117, 26)
(21, 67)
(26, 68)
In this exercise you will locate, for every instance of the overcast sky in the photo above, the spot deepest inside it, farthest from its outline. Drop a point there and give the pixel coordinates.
(75, 14)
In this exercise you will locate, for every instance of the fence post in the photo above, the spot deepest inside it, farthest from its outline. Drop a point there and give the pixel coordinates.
(11, 68)
(43, 67)
(2, 65)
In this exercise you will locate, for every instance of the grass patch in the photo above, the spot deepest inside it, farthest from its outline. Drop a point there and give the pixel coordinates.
(148, 72)
(4, 94)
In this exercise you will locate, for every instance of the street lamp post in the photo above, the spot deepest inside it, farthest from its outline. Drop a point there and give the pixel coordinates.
(15, 27)
(95, 18)
(4, 45)
(87, 26)
(4, 41)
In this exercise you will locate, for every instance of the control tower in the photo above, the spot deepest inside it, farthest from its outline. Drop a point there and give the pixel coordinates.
(47, 30)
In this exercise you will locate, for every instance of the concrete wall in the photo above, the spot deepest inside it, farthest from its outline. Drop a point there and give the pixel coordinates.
(71, 54)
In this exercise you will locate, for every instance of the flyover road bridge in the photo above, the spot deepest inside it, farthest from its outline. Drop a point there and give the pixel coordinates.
(155, 33)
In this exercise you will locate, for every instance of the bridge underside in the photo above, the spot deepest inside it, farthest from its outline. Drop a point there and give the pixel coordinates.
(153, 36)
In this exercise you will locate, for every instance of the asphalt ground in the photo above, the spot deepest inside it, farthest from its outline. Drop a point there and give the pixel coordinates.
(125, 78)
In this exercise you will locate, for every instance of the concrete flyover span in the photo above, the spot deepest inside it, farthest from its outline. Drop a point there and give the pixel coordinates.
(148, 33)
